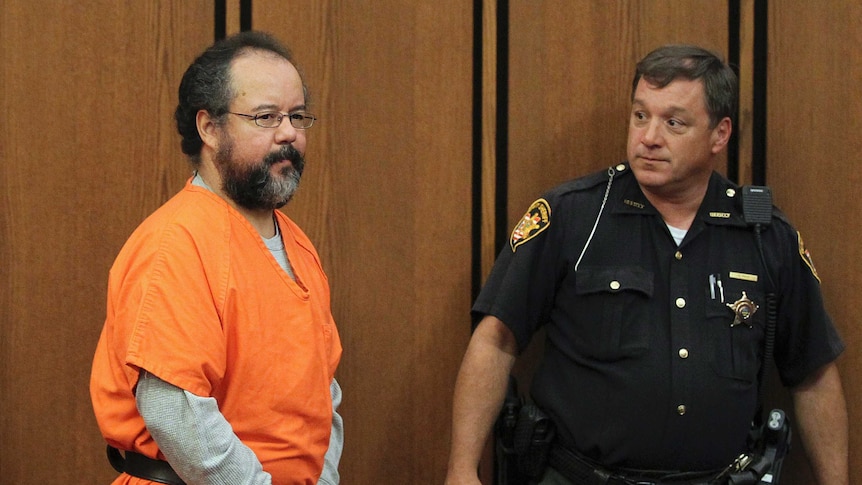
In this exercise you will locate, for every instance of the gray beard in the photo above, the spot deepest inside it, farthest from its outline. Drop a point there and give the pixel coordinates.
(254, 187)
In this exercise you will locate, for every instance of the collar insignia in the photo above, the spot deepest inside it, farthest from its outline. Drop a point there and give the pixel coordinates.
(637, 205)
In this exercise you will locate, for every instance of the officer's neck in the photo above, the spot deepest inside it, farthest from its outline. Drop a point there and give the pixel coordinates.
(677, 208)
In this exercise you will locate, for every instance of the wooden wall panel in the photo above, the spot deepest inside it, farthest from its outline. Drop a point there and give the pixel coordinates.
(386, 197)
(87, 92)
(813, 125)
(571, 67)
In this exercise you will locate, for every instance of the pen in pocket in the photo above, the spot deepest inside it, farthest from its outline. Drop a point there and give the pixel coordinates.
(715, 285)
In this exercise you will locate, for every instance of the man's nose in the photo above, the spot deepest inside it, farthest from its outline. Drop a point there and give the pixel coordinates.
(652, 134)
(285, 132)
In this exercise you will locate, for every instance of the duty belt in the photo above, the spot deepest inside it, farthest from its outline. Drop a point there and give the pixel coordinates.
(138, 465)
(580, 471)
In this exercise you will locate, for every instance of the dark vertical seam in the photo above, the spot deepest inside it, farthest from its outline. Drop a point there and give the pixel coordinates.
(759, 106)
(476, 271)
(733, 58)
(501, 205)
(220, 21)
(244, 15)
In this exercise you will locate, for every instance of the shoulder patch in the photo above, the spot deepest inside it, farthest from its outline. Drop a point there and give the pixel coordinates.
(536, 220)
(806, 256)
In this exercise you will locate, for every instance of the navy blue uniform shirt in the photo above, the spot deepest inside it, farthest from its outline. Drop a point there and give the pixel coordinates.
(653, 350)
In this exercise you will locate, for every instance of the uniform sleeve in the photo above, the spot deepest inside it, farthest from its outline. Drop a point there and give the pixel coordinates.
(806, 338)
(519, 291)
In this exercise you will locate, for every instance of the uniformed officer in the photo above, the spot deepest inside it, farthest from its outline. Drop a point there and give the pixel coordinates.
(656, 298)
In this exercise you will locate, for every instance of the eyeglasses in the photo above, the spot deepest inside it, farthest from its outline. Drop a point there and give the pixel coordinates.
(272, 119)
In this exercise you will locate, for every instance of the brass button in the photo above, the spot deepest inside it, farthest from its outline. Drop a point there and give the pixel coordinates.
(683, 353)
(615, 285)
(680, 302)
(621, 167)
(678, 255)
(680, 409)
(730, 192)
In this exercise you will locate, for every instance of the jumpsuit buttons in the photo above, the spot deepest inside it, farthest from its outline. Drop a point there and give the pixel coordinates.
(679, 331)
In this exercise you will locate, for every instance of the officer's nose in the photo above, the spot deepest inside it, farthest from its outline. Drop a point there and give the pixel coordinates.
(652, 134)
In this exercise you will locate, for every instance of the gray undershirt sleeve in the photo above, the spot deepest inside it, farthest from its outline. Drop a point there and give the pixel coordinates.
(201, 446)
(330, 476)
(195, 437)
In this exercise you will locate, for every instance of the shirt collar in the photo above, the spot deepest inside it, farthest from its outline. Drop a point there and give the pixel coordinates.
(720, 205)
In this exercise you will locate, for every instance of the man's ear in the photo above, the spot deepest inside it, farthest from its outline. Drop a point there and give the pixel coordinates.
(207, 128)
(721, 134)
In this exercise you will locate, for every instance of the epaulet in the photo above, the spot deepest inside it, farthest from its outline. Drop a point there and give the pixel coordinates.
(594, 179)
(781, 216)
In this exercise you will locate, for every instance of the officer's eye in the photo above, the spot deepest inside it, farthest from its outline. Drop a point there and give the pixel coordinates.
(675, 124)
(639, 117)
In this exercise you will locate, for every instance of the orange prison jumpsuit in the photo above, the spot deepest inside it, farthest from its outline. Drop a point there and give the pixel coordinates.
(196, 298)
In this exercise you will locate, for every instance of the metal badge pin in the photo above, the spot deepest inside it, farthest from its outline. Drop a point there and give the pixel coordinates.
(743, 309)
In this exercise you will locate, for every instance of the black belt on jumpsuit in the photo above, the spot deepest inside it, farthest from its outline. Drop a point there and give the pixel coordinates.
(138, 465)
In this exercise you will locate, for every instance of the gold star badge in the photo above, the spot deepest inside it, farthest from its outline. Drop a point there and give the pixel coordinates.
(743, 309)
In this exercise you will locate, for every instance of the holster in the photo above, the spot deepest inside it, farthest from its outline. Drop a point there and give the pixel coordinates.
(534, 433)
(763, 464)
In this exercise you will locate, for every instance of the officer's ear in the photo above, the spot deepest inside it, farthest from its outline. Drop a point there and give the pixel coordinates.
(721, 135)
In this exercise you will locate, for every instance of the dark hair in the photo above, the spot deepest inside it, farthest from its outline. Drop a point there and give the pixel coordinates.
(665, 64)
(206, 83)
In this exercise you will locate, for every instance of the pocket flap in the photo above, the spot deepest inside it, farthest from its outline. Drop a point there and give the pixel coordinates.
(613, 280)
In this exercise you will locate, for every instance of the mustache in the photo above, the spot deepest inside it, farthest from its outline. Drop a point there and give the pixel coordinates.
(259, 177)
(287, 152)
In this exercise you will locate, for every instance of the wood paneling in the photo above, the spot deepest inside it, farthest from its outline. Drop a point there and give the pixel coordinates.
(386, 197)
(88, 149)
(87, 92)
(813, 125)
(487, 251)
(572, 62)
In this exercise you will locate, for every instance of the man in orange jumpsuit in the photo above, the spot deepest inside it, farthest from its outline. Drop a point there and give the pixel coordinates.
(217, 359)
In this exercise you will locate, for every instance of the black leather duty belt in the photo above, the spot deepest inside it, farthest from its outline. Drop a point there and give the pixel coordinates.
(138, 465)
(578, 470)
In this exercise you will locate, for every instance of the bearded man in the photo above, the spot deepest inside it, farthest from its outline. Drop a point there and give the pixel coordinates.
(217, 359)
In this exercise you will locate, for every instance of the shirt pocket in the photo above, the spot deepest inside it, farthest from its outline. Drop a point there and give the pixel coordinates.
(613, 310)
(736, 349)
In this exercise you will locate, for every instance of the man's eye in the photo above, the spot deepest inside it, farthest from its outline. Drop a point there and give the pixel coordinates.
(296, 116)
(266, 116)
